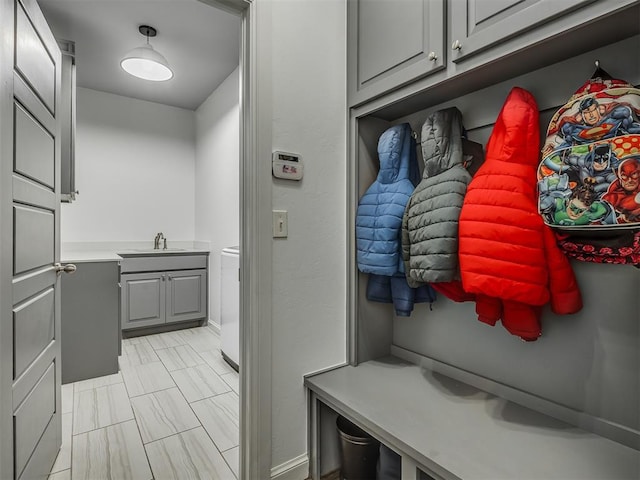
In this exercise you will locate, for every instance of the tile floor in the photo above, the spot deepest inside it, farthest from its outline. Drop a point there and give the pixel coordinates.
(172, 412)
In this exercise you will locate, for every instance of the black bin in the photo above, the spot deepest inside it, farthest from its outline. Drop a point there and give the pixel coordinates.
(358, 452)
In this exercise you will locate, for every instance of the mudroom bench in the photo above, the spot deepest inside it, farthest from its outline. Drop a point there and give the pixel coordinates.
(445, 428)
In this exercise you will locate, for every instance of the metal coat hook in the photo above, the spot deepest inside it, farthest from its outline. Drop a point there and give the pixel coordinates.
(600, 73)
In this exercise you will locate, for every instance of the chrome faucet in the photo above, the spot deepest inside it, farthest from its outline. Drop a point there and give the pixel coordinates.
(156, 241)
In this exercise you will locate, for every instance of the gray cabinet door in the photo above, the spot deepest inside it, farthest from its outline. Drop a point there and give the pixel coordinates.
(186, 295)
(143, 299)
(30, 410)
(478, 24)
(90, 328)
(391, 43)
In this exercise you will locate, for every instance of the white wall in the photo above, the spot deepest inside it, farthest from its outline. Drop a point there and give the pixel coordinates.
(308, 64)
(135, 165)
(217, 177)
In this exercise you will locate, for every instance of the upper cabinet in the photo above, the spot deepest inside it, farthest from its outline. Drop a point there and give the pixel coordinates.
(391, 43)
(410, 46)
(68, 114)
(478, 24)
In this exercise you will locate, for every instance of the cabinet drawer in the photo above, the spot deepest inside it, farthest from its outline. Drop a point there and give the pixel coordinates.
(162, 263)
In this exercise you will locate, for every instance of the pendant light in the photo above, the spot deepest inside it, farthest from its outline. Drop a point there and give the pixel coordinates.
(145, 62)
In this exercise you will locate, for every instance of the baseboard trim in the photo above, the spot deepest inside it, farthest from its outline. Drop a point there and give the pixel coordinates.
(214, 326)
(295, 469)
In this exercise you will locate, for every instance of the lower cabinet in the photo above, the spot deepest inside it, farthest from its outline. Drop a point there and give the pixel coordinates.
(151, 298)
(90, 332)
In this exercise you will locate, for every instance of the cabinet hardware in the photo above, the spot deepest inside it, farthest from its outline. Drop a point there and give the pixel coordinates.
(456, 45)
(433, 56)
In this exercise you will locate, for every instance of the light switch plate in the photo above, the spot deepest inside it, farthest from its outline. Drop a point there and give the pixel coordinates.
(280, 224)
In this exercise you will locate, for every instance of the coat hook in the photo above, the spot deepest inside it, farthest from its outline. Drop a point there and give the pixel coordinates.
(597, 62)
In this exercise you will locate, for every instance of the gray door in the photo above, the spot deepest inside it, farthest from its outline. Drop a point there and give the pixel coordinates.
(30, 410)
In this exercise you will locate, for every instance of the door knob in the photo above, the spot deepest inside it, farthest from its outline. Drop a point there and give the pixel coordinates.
(68, 268)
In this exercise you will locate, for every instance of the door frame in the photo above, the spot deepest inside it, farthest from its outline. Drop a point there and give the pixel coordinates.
(255, 239)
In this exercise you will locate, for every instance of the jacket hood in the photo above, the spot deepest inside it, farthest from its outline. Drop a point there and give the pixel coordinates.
(395, 148)
(442, 141)
(516, 134)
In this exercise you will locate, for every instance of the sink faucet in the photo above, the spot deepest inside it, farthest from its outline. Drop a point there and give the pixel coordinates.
(156, 241)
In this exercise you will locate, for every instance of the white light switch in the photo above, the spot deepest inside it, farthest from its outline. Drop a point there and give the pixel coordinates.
(280, 227)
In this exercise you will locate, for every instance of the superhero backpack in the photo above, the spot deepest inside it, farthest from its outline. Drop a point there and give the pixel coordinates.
(589, 175)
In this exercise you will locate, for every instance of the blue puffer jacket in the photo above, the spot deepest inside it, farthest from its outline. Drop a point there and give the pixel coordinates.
(379, 221)
(380, 211)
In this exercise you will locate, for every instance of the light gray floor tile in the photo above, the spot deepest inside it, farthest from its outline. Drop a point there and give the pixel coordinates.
(137, 354)
(220, 416)
(165, 340)
(232, 456)
(134, 340)
(64, 475)
(233, 380)
(199, 382)
(98, 382)
(111, 453)
(67, 398)
(100, 407)
(147, 378)
(162, 414)
(181, 356)
(63, 461)
(214, 360)
(189, 455)
(201, 339)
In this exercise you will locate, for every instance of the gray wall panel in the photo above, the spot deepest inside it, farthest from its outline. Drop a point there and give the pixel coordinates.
(33, 329)
(34, 233)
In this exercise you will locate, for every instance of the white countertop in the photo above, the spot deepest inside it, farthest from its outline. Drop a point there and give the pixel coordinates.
(78, 256)
(85, 252)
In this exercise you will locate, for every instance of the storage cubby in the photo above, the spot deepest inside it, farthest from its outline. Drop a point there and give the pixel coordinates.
(454, 397)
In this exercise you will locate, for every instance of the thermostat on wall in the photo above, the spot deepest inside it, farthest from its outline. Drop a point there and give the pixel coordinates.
(287, 165)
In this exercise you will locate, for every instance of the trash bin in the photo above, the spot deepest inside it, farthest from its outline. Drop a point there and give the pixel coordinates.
(358, 452)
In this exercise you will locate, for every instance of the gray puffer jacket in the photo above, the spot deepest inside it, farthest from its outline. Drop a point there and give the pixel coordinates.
(430, 222)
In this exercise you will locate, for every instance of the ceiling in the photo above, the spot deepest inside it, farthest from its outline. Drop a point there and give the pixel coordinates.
(200, 42)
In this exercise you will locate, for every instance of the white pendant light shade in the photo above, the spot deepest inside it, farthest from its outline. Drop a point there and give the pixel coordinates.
(146, 63)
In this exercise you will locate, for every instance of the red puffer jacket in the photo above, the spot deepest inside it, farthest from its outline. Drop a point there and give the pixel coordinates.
(508, 256)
